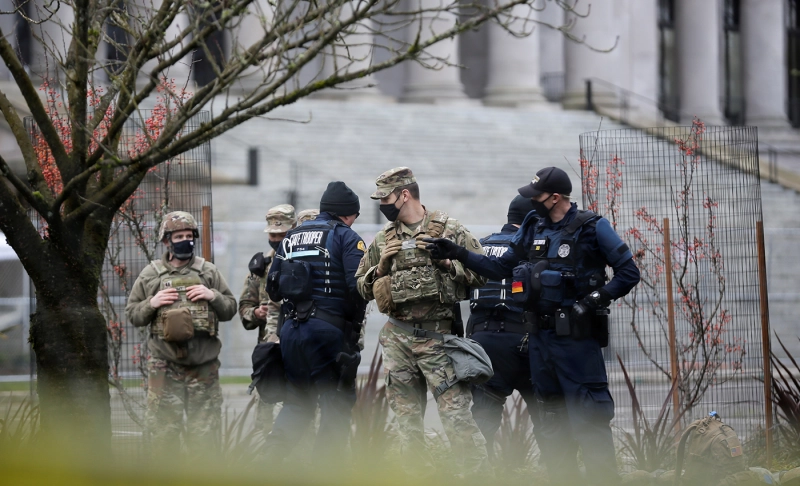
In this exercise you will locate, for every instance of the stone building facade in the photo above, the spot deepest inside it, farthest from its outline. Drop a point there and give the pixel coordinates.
(727, 61)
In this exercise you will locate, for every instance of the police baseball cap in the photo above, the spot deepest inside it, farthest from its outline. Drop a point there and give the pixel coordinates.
(551, 180)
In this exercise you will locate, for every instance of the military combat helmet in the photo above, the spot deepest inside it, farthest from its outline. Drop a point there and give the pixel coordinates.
(177, 221)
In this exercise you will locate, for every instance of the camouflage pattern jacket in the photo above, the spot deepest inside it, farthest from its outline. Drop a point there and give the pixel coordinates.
(430, 309)
(202, 348)
(253, 294)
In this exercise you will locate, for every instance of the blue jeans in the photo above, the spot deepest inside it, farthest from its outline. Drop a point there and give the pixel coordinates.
(570, 379)
(309, 355)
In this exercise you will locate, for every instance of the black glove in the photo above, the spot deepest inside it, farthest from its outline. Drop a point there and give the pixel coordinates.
(589, 304)
(443, 249)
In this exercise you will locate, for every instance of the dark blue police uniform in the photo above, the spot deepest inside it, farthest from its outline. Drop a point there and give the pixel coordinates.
(568, 373)
(312, 336)
(496, 322)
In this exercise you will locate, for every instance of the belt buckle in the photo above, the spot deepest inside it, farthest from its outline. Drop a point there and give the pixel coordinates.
(419, 332)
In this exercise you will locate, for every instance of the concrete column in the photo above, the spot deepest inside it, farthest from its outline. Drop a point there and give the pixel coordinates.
(698, 31)
(180, 71)
(144, 10)
(514, 63)
(253, 28)
(52, 38)
(765, 63)
(425, 85)
(353, 53)
(642, 51)
(600, 31)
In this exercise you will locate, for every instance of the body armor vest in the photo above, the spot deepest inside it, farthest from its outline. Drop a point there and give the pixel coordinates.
(570, 275)
(203, 318)
(494, 298)
(309, 243)
(414, 275)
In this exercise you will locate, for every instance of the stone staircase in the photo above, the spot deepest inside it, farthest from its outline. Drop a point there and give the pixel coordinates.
(469, 161)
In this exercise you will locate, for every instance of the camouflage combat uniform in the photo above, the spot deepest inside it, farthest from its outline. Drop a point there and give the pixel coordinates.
(280, 219)
(183, 378)
(423, 295)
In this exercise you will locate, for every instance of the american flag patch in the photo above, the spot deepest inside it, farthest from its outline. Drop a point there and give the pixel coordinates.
(736, 451)
(516, 287)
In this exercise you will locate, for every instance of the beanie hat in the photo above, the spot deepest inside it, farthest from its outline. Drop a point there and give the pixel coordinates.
(339, 200)
(518, 209)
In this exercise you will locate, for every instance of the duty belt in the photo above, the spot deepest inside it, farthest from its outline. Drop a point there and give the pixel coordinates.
(493, 324)
(337, 321)
(418, 329)
(541, 322)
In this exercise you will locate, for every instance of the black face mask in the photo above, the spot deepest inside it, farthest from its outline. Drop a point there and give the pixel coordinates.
(182, 250)
(541, 208)
(391, 211)
(275, 244)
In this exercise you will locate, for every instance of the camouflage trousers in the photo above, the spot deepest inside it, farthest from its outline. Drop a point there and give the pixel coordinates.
(175, 390)
(409, 364)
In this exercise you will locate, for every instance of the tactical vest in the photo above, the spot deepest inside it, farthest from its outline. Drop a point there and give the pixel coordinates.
(570, 274)
(414, 275)
(496, 294)
(309, 243)
(203, 318)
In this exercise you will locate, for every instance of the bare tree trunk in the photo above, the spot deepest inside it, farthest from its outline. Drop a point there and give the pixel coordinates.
(70, 341)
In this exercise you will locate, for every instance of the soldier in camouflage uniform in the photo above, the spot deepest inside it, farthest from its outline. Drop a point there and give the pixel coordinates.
(256, 309)
(182, 297)
(418, 294)
(307, 215)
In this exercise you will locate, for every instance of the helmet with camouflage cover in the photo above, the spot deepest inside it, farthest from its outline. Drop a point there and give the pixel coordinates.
(177, 221)
(280, 219)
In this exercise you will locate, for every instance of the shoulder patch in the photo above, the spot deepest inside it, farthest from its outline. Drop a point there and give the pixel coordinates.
(361, 246)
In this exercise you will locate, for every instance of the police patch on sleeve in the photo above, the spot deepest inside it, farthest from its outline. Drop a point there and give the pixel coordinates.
(361, 246)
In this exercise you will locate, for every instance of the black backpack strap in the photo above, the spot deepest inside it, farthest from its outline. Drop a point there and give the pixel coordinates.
(583, 217)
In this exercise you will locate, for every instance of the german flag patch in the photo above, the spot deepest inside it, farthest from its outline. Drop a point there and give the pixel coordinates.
(516, 287)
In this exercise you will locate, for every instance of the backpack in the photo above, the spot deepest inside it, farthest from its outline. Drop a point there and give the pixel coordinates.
(712, 451)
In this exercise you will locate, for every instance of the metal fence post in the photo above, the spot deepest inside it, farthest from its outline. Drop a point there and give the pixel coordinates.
(252, 166)
(589, 104)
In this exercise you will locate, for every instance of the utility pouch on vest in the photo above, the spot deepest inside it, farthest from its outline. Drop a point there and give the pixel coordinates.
(178, 327)
(413, 284)
(382, 290)
(562, 323)
(552, 286)
(295, 280)
(521, 284)
(600, 330)
(303, 310)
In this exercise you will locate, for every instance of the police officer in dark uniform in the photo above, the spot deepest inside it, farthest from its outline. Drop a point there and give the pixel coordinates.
(315, 272)
(497, 322)
(566, 298)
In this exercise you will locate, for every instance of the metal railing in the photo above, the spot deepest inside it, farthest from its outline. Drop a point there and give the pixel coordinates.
(611, 100)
